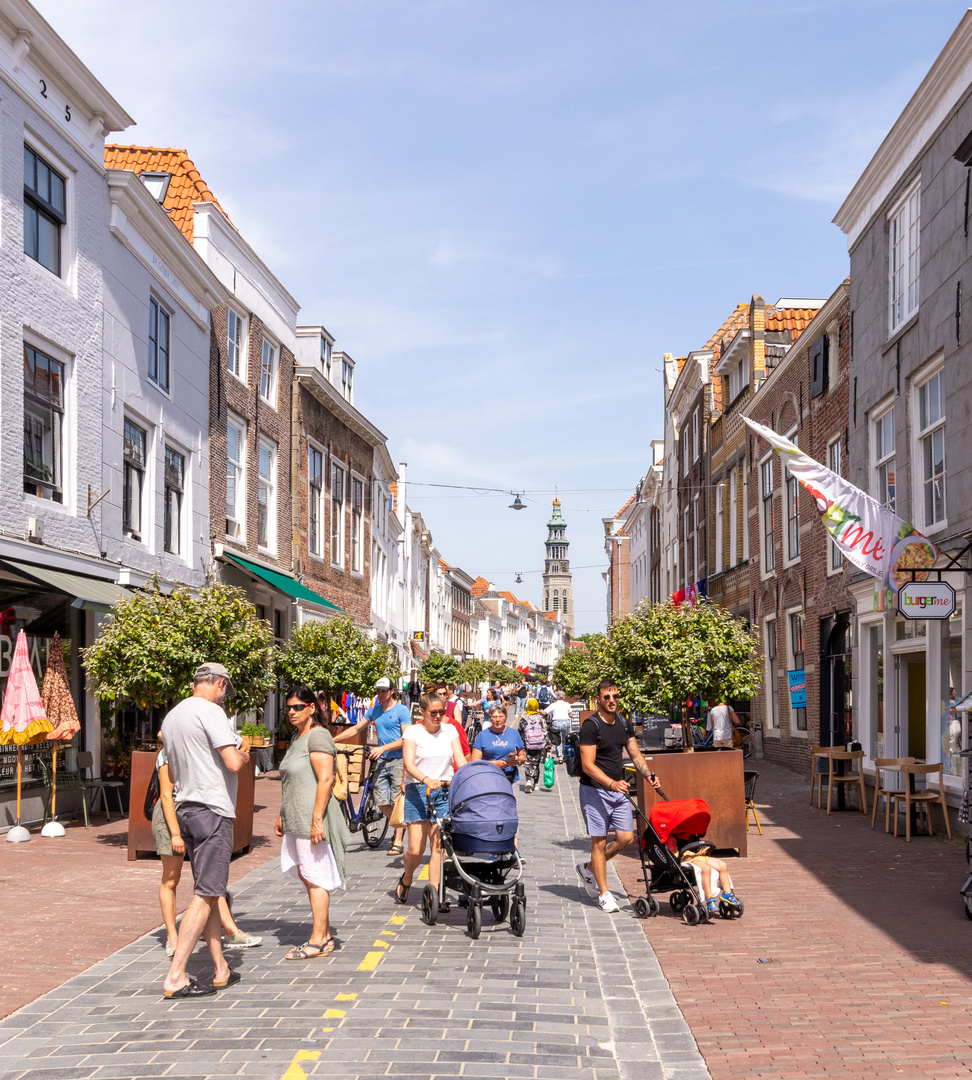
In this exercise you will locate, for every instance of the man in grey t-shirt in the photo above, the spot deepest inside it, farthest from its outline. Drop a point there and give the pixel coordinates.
(204, 756)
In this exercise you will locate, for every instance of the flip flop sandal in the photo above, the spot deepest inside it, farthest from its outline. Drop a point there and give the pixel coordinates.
(401, 891)
(395, 850)
(233, 977)
(299, 952)
(192, 989)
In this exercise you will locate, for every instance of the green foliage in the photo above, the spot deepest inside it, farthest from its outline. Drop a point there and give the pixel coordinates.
(476, 671)
(438, 668)
(661, 654)
(146, 656)
(254, 731)
(578, 671)
(335, 657)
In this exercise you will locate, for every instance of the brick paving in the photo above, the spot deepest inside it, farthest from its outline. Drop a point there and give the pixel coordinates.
(580, 995)
(871, 966)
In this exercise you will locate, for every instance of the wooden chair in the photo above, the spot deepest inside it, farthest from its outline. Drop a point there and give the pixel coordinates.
(848, 778)
(750, 776)
(99, 786)
(817, 777)
(924, 799)
(895, 764)
(66, 781)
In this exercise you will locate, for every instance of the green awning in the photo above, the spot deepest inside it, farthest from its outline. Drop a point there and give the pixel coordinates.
(282, 583)
(92, 594)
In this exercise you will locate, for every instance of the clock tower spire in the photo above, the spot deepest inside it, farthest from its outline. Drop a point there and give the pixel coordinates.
(557, 589)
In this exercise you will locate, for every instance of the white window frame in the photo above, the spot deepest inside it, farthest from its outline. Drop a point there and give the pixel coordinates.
(237, 344)
(791, 508)
(791, 612)
(720, 524)
(325, 360)
(181, 532)
(772, 674)
(904, 257)
(239, 465)
(269, 367)
(881, 458)
(48, 210)
(931, 430)
(142, 530)
(56, 487)
(835, 462)
(745, 512)
(767, 555)
(696, 450)
(159, 316)
(267, 493)
(316, 501)
(695, 539)
(338, 512)
(357, 524)
(733, 517)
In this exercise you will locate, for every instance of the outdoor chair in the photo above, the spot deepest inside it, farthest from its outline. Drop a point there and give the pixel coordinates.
(66, 781)
(848, 778)
(816, 777)
(892, 764)
(97, 785)
(909, 797)
(750, 776)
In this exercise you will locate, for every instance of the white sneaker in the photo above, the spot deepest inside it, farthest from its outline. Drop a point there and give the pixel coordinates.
(584, 871)
(528, 788)
(606, 902)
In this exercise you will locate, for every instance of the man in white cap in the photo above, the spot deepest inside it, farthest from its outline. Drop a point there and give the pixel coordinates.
(204, 756)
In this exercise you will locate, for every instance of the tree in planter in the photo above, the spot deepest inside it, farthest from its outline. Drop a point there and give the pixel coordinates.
(578, 671)
(476, 671)
(438, 668)
(334, 657)
(662, 654)
(146, 656)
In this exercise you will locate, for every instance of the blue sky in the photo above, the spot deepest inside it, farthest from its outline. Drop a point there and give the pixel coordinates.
(507, 212)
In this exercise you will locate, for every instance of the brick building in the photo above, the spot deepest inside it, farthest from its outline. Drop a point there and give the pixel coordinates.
(617, 577)
(797, 578)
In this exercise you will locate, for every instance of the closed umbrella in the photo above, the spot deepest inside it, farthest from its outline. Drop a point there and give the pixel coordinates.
(61, 712)
(22, 718)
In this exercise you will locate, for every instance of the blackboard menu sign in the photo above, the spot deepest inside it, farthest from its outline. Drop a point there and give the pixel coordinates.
(653, 730)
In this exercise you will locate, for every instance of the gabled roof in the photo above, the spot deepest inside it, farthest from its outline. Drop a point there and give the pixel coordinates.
(186, 186)
(736, 321)
(479, 586)
(626, 505)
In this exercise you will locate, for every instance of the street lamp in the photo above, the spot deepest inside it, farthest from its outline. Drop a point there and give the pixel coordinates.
(518, 504)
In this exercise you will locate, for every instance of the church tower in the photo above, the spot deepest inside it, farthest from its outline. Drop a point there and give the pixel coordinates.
(557, 591)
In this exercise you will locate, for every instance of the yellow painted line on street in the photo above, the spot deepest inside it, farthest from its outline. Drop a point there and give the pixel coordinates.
(379, 944)
(327, 1029)
(294, 1071)
(335, 1014)
(397, 919)
(371, 961)
(346, 997)
(424, 873)
(390, 933)
(379, 948)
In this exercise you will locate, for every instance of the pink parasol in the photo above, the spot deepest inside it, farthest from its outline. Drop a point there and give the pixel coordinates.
(61, 712)
(22, 718)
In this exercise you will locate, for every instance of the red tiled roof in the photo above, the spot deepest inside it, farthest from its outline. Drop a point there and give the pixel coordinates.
(625, 507)
(443, 565)
(186, 187)
(736, 321)
(479, 586)
(795, 320)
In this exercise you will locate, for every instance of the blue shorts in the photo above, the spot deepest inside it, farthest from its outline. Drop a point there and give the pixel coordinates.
(416, 808)
(386, 779)
(605, 810)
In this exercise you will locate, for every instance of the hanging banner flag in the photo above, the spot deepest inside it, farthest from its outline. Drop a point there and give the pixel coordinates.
(868, 534)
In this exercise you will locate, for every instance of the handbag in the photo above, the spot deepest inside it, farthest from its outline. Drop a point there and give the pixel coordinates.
(340, 788)
(397, 817)
(151, 795)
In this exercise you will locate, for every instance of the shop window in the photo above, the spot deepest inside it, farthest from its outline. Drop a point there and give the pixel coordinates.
(44, 211)
(951, 730)
(875, 670)
(315, 510)
(175, 469)
(133, 479)
(43, 425)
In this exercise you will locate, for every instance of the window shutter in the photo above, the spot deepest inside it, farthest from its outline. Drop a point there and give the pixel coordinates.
(818, 366)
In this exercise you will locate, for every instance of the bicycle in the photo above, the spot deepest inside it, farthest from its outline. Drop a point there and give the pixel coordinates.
(368, 818)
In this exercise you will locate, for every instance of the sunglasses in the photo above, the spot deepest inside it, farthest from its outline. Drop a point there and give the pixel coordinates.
(436, 712)
(299, 708)
(611, 697)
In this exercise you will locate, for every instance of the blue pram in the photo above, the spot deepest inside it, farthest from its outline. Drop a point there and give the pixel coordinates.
(479, 858)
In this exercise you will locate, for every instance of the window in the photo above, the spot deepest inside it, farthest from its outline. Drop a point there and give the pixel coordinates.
(772, 676)
(696, 565)
(884, 459)
(564, 604)
(556, 606)
(175, 470)
(792, 511)
(745, 512)
(235, 344)
(835, 559)
(769, 553)
(235, 478)
(44, 211)
(133, 479)
(315, 510)
(733, 517)
(904, 226)
(266, 495)
(43, 422)
(347, 378)
(326, 358)
(798, 663)
(931, 441)
(720, 524)
(337, 515)
(157, 183)
(158, 358)
(695, 436)
(357, 524)
(268, 374)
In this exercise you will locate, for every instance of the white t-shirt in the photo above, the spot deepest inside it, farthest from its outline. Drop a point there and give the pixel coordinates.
(720, 723)
(433, 753)
(559, 710)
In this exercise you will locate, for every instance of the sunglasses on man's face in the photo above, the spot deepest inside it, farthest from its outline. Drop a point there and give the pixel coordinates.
(611, 697)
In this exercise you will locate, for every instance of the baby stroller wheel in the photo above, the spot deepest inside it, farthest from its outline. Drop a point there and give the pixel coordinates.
(474, 919)
(518, 917)
(501, 908)
(653, 907)
(691, 915)
(642, 908)
(737, 910)
(430, 905)
(725, 910)
(677, 901)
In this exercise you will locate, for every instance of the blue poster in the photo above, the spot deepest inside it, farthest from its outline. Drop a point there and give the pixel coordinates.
(798, 689)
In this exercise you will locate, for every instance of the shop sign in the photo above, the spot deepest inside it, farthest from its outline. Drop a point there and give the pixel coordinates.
(798, 688)
(926, 600)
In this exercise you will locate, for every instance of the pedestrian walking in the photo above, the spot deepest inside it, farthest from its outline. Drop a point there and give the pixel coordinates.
(604, 736)
(204, 757)
(171, 849)
(432, 752)
(536, 740)
(558, 713)
(311, 824)
(442, 692)
(500, 744)
(721, 721)
(390, 718)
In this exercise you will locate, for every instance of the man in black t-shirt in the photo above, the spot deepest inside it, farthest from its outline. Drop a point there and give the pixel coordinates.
(604, 736)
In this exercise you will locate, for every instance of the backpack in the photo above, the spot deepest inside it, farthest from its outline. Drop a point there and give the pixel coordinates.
(543, 695)
(534, 732)
(572, 758)
(151, 795)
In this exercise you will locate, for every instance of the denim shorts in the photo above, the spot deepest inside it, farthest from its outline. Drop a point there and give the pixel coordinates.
(605, 810)
(386, 779)
(416, 808)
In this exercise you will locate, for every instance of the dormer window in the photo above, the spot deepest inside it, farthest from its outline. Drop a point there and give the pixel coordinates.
(347, 377)
(157, 183)
(326, 358)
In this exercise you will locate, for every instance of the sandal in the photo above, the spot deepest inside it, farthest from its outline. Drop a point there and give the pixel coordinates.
(401, 890)
(396, 849)
(299, 952)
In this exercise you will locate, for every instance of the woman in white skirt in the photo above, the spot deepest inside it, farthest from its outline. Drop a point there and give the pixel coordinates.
(311, 823)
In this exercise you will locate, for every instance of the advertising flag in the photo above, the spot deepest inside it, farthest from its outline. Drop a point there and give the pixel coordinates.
(868, 534)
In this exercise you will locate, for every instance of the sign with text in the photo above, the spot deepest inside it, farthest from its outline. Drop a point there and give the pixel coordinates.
(926, 600)
(798, 688)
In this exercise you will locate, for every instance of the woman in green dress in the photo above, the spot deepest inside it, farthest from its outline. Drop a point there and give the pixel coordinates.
(311, 823)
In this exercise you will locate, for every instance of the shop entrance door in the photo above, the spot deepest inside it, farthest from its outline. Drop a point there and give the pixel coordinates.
(914, 711)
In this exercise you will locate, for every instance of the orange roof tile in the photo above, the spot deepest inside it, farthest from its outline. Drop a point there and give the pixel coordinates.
(738, 319)
(186, 188)
(444, 565)
(795, 320)
(479, 586)
(626, 505)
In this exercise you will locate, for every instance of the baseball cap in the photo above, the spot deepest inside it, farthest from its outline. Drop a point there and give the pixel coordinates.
(221, 672)
(383, 684)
